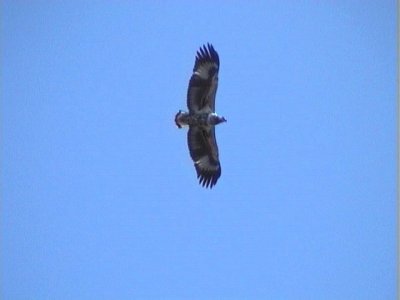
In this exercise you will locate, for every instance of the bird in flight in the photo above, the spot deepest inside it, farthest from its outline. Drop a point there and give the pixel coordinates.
(201, 117)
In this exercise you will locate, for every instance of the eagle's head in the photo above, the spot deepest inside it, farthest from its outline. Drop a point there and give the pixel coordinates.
(214, 119)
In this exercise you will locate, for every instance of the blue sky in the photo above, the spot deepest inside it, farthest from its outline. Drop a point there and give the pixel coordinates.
(99, 195)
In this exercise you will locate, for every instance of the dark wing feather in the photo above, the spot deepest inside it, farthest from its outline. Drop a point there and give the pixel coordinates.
(204, 152)
(204, 81)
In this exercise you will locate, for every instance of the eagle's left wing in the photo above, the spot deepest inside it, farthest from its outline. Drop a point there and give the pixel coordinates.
(204, 81)
(204, 152)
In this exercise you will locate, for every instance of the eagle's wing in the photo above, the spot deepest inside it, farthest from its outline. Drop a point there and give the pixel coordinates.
(204, 81)
(204, 152)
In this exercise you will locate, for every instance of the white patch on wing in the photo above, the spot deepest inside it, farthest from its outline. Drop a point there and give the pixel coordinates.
(202, 70)
(204, 163)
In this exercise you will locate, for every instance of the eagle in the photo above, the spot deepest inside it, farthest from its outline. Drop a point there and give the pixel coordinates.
(201, 117)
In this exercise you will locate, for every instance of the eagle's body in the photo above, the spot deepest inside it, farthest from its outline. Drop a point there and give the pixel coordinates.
(202, 118)
(199, 119)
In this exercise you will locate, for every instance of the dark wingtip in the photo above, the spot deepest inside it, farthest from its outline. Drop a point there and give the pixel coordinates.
(207, 52)
(208, 179)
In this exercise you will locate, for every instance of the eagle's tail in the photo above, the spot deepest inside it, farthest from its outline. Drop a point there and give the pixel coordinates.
(176, 119)
(182, 119)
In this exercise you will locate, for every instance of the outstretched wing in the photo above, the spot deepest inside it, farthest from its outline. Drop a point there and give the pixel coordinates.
(204, 152)
(204, 81)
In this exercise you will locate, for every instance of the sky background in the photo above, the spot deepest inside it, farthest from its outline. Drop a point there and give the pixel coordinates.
(99, 195)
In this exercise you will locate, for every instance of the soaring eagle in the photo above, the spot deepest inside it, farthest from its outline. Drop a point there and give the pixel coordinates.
(201, 117)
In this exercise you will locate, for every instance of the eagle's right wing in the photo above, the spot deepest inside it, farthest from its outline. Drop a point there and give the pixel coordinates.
(204, 81)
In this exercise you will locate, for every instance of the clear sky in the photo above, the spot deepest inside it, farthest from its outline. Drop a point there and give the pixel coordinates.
(99, 195)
